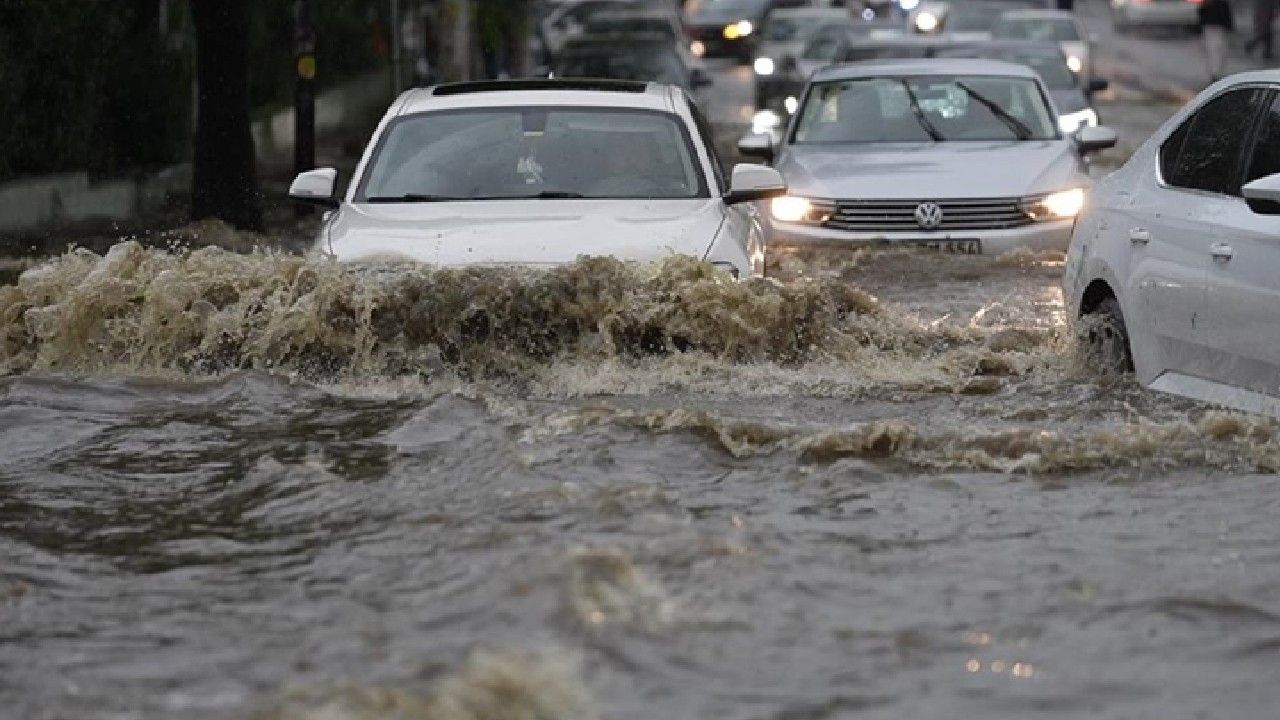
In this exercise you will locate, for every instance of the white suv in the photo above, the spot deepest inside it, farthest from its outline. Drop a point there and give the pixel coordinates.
(540, 172)
(1177, 255)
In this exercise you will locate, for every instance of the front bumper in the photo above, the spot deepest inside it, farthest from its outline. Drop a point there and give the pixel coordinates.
(1051, 235)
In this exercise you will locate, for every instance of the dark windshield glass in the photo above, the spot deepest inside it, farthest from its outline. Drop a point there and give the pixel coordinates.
(1051, 67)
(971, 18)
(790, 28)
(650, 63)
(880, 110)
(1044, 29)
(749, 7)
(495, 153)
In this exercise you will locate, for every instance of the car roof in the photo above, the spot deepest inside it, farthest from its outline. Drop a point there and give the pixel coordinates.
(560, 91)
(810, 10)
(910, 67)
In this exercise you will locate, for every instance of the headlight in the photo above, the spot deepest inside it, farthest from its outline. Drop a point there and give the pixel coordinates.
(926, 22)
(1055, 206)
(1075, 64)
(740, 29)
(791, 104)
(697, 48)
(792, 209)
(908, 5)
(1071, 123)
(764, 121)
(763, 66)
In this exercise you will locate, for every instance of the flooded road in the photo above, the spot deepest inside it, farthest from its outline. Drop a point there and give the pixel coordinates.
(883, 486)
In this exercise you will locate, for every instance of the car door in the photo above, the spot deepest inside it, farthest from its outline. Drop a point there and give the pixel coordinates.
(1173, 226)
(742, 221)
(1244, 275)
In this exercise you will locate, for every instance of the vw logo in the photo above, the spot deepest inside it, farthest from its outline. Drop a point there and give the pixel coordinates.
(929, 215)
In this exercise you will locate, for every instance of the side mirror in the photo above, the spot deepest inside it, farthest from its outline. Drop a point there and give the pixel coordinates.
(316, 187)
(1263, 195)
(699, 77)
(754, 182)
(1096, 85)
(1093, 139)
(757, 145)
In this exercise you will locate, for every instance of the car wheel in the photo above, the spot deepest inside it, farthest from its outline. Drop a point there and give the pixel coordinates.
(1106, 338)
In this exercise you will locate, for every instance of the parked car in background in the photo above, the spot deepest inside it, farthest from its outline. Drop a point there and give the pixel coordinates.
(638, 20)
(932, 16)
(1174, 267)
(1057, 26)
(778, 94)
(961, 155)
(647, 57)
(538, 172)
(719, 28)
(1127, 15)
(569, 19)
(785, 32)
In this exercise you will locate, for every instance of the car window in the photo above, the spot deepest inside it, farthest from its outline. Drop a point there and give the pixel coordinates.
(971, 18)
(1204, 154)
(1042, 29)
(824, 45)
(950, 107)
(1265, 159)
(520, 152)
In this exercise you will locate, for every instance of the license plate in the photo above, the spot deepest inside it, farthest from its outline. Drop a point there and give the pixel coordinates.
(953, 247)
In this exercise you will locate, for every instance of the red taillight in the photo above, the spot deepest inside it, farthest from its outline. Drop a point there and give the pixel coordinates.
(1195, 1)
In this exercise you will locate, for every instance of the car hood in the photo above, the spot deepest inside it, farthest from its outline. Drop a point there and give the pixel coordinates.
(523, 232)
(939, 171)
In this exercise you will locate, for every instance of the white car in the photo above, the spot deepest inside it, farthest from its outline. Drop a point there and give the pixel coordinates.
(539, 172)
(1176, 260)
(959, 154)
(1059, 26)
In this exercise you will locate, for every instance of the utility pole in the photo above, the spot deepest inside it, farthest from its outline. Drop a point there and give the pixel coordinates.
(304, 127)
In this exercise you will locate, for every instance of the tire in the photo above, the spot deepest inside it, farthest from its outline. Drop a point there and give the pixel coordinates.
(1107, 338)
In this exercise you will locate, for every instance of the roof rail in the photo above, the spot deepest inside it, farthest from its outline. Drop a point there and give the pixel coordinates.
(596, 84)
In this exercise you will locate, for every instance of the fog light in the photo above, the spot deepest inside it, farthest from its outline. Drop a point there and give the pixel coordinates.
(763, 66)
(926, 22)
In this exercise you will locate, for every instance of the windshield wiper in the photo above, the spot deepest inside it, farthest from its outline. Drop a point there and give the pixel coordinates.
(920, 117)
(1019, 128)
(544, 195)
(412, 198)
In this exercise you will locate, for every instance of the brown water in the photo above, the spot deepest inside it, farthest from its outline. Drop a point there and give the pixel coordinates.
(884, 485)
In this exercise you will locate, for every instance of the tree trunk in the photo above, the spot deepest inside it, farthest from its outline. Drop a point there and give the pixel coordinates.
(225, 182)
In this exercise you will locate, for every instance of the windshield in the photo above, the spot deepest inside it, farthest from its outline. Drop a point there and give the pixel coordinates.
(497, 153)
(789, 28)
(650, 63)
(924, 109)
(749, 7)
(1051, 67)
(630, 23)
(972, 18)
(1044, 29)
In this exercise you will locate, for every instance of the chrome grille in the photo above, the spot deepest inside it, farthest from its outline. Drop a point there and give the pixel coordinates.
(900, 215)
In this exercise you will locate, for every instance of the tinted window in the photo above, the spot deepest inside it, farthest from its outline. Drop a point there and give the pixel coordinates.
(1209, 158)
(1266, 151)
(824, 45)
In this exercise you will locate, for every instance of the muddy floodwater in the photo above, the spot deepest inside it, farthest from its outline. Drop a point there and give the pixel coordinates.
(881, 485)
